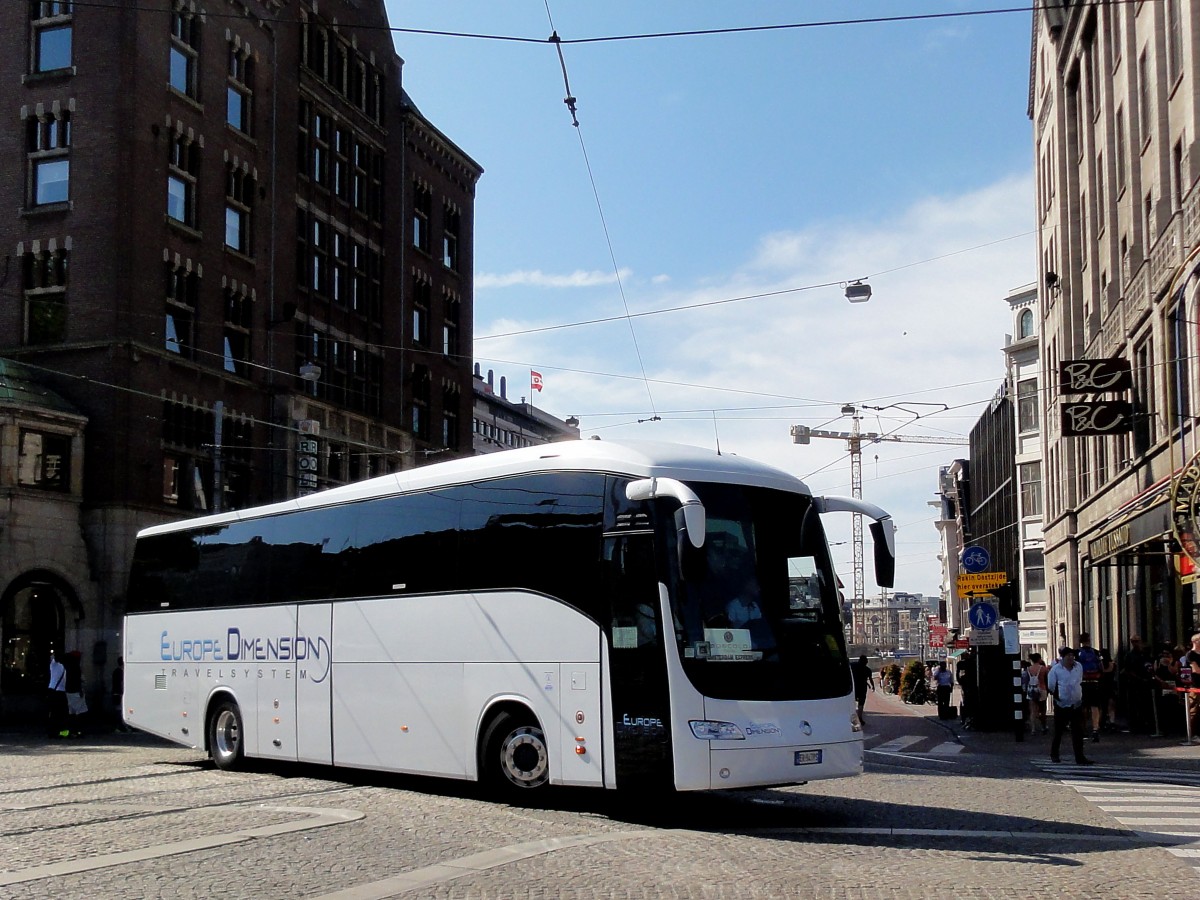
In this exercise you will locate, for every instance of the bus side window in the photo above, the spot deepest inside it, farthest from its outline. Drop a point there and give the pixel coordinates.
(632, 587)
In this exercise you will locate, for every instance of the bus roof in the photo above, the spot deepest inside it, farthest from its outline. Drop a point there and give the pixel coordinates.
(637, 459)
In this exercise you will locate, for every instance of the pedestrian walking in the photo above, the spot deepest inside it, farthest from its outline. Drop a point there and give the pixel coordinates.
(965, 672)
(863, 679)
(1089, 660)
(76, 702)
(945, 684)
(1065, 684)
(1036, 691)
(56, 700)
(1138, 683)
(1193, 699)
(1108, 690)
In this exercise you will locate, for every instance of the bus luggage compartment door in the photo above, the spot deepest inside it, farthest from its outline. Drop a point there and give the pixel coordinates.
(314, 675)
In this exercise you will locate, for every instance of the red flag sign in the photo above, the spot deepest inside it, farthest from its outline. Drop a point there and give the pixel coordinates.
(535, 380)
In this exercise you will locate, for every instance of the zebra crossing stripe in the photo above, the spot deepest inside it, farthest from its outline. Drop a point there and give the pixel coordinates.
(898, 744)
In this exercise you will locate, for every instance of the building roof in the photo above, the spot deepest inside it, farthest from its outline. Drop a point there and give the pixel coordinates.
(20, 386)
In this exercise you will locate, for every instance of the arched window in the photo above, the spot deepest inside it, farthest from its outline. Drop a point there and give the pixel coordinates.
(1025, 328)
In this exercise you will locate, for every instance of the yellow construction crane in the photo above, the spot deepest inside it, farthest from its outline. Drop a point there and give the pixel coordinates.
(855, 438)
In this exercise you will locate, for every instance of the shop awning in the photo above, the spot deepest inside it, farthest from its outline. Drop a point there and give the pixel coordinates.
(1145, 518)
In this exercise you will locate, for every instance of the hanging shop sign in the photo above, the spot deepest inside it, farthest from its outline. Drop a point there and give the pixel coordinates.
(1183, 508)
(1095, 376)
(1096, 417)
(1083, 418)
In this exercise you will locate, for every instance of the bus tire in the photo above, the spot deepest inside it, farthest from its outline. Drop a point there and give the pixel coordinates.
(516, 759)
(225, 735)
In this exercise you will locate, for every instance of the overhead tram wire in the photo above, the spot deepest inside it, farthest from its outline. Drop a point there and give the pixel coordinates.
(615, 38)
(570, 103)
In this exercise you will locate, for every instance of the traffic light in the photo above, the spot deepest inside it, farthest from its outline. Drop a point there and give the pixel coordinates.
(1006, 600)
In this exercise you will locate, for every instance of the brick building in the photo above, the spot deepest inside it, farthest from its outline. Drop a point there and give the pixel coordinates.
(237, 251)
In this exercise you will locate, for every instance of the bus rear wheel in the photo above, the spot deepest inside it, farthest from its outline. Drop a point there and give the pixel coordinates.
(515, 756)
(225, 735)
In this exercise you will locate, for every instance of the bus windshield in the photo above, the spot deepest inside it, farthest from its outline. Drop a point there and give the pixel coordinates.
(758, 618)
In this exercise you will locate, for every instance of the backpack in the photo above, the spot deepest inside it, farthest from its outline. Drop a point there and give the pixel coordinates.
(1089, 661)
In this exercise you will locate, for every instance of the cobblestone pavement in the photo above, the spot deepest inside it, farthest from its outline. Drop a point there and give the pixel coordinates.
(129, 816)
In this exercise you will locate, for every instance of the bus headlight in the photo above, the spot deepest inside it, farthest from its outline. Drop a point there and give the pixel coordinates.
(716, 731)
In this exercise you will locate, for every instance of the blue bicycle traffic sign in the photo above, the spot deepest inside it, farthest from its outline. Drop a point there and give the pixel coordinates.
(976, 559)
(982, 615)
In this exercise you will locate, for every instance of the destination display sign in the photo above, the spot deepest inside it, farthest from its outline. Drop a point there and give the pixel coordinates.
(981, 581)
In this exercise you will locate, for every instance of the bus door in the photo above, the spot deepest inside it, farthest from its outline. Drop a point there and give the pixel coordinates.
(314, 677)
(641, 707)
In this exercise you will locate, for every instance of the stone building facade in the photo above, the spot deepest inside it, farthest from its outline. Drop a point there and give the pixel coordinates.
(1115, 104)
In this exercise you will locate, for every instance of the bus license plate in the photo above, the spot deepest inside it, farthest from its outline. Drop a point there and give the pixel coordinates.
(807, 757)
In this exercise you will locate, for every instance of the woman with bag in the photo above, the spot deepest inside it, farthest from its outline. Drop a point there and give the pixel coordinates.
(1036, 691)
(76, 704)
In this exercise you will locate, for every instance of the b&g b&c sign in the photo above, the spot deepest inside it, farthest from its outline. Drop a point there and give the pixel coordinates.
(1095, 376)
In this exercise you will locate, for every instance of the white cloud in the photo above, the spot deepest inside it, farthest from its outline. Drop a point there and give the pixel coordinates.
(932, 333)
(538, 278)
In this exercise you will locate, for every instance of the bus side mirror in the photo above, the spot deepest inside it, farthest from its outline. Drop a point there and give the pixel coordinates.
(691, 509)
(693, 560)
(885, 558)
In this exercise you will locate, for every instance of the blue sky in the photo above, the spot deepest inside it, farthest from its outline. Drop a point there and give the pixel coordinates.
(735, 165)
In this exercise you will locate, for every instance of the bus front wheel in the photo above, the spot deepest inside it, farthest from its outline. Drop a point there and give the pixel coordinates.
(515, 756)
(225, 735)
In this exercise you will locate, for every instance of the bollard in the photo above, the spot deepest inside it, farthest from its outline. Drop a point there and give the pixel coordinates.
(1018, 703)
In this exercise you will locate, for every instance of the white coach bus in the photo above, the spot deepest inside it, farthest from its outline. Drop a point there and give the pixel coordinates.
(581, 613)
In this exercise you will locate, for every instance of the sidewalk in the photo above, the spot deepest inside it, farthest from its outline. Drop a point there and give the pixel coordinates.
(1115, 748)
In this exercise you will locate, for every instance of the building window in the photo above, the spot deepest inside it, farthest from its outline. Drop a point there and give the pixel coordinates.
(1031, 488)
(52, 34)
(421, 392)
(450, 231)
(48, 145)
(374, 289)
(239, 197)
(341, 163)
(1119, 139)
(319, 257)
(182, 166)
(184, 52)
(1144, 88)
(183, 289)
(1177, 176)
(188, 432)
(1035, 577)
(451, 312)
(358, 189)
(1025, 328)
(1027, 405)
(320, 150)
(1144, 398)
(422, 209)
(240, 90)
(238, 317)
(1180, 368)
(339, 288)
(420, 310)
(358, 277)
(1148, 222)
(44, 283)
(44, 460)
(450, 419)
(1174, 42)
